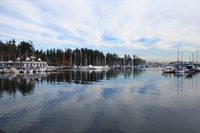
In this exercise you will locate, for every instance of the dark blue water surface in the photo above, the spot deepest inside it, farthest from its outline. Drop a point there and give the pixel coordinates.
(112, 101)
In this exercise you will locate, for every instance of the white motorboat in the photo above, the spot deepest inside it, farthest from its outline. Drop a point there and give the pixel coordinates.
(179, 70)
(42, 69)
(4, 70)
(191, 68)
(85, 67)
(1, 69)
(198, 69)
(28, 70)
(97, 67)
(14, 70)
(21, 70)
(106, 67)
(168, 69)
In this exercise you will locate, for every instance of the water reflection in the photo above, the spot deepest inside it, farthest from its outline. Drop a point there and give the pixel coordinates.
(184, 80)
(92, 76)
(167, 75)
(25, 83)
(139, 100)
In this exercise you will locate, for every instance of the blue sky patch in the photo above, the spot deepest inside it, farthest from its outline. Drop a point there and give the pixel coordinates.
(145, 40)
(107, 37)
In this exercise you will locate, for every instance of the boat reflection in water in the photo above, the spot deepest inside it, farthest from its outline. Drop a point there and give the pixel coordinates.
(184, 80)
(115, 100)
(25, 83)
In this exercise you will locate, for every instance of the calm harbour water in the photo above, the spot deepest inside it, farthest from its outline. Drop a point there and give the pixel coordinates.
(113, 101)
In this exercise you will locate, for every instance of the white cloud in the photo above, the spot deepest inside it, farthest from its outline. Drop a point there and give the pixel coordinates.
(82, 23)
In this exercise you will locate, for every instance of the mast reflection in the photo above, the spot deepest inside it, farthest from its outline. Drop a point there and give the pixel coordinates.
(25, 83)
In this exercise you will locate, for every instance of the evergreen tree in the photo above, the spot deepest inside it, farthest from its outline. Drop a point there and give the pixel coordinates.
(10, 51)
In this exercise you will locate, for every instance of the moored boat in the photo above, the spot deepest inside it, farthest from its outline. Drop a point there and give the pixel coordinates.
(179, 70)
(86, 67)
(106, 67)
(191, 68)
(168, 69)
(4, 70)
(97, 67)
(198, 69)
(35, 70)
(21, 70)
(28, 70)
(41, 69)
(117, 67)
(1, 69)
(14, 70)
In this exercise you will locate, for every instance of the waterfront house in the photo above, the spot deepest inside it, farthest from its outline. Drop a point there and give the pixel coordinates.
(20, 63)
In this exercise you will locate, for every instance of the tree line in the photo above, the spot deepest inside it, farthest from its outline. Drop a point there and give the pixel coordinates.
(84, 56)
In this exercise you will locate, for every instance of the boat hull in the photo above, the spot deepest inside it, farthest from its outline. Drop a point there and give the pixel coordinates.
(168, 70)
(180, 71)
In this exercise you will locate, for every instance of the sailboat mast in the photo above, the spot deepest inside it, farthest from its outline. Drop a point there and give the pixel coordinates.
(105, 60)
(81, 60)
(71, 60)
(1, 60)
(178, 55)
(196, 56)
(189, 59)
(86, 59)
(193, 58)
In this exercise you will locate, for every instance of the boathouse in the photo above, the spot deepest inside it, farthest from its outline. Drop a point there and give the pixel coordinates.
(28, 62)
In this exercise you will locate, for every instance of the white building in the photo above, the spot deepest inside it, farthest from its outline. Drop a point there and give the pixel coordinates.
(28, 62)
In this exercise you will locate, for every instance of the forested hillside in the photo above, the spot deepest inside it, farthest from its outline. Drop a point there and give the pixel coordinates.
(10, 51)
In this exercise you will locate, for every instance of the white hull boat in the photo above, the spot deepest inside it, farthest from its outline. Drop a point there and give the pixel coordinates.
(14, 70)
(97, 67)
(168, 69)
(198, 69)
(85, 67)
(179, 70)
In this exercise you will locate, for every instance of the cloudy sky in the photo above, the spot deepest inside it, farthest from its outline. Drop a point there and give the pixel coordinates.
(152, 29)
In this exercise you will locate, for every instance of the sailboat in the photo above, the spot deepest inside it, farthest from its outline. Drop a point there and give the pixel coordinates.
(168, 69)
(179, 69)
(85, 67)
